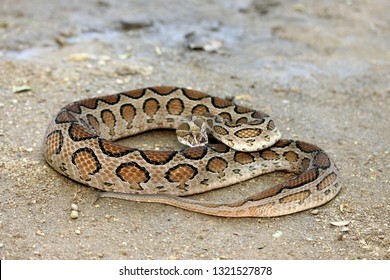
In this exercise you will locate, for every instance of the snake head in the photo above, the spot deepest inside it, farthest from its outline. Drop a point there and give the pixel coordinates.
(193, 133)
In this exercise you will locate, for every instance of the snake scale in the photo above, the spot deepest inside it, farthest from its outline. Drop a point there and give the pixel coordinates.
(79, 143)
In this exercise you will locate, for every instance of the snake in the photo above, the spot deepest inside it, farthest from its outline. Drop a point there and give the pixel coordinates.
(222, 144)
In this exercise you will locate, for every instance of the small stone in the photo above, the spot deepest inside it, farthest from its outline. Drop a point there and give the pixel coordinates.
(74, 214)
(77, 231)
(1, 245)
(277, 234)
(74, 207)
(314, 212)
(340, 223)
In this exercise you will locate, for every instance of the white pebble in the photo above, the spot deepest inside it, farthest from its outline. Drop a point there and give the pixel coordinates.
(74, 207)
(74, 214)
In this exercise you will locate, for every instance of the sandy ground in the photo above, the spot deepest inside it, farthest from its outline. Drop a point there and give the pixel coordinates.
(321, 70)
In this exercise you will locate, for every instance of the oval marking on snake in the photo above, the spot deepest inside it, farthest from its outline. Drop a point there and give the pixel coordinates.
(259, 115)
(241, 109)
(133, 173)
(54, 143)
(269, 155)
(327, 181)
(181, 174)
(226, 116)
(290, 156)
(194, 153)
(220, 148)
(151, 106)
(65, 117)
(321, 160)
(110, 99)
(220, 102)
(194, 94)
(306, 147)
(256, 122)
(163, 90)
(108, 118)
(271, 125)
(175, 106)
(93, 121)
(79, 133)
(128, 113)
(86, 162)
(158, 157)
(217, 165)
(91, 103)
(135, 94)
(220, 130)
(299, 196)
(200, 110)
(282, 143)
(112, 149)
(243, 120)
(243, 158)
(248, 132)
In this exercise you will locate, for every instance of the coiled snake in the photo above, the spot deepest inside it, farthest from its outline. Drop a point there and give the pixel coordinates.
(79, 144)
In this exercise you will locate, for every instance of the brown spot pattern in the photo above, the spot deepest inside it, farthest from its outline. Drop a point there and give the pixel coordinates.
(86, 162)
(306, 147)
(112, 149)
(175, 106)
(220, 148)
(158, 157)
(248, 132)
(137, 93)
(226, 116)
(241, 109)
(242, 120)
(259, 115)
(282, 143)
(110, 99)
(54, 142)
(271, 125)
(299, 196)
(65, 117)
(163, 90)
(220, 102)
(243, 158)
(200, 110)
(90, 103)
(217, 165)
(128, 112)
(220, 130)
(181, 173)
(151, 107)
(108, 118)
(194, 94)
(133, 173)
(327, 181)
(290, 156)
(79, 133)
(269, 155)
(194, 153)
(321, 160)
(93, 122)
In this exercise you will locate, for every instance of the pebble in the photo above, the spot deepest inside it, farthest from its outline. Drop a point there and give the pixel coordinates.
(1, 245)
(314, 212)
(74, 207)
(277, 234)
(74, 214)
(77, 231)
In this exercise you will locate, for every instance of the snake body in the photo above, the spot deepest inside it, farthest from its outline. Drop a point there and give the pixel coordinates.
(79, 143)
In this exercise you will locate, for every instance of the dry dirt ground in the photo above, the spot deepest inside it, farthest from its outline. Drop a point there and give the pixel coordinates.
(320, 68)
